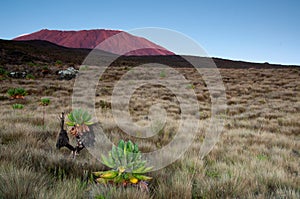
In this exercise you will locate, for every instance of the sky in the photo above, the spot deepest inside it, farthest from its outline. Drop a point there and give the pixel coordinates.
(249, 30)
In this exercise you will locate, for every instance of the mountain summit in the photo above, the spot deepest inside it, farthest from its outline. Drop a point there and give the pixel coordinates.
(114, 41)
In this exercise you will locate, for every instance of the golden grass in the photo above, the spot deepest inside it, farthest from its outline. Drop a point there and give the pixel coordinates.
(257, 156)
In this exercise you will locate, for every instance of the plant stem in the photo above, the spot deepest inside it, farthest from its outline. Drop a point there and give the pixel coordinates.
(43, 116)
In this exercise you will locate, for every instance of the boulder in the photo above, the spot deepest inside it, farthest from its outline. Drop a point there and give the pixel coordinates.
(15, 74)
(67, 74)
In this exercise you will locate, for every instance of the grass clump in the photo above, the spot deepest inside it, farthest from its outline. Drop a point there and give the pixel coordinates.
(20, 183)
(162, 74)
(3, 71)
(26, 183)
(17, 106)
(16, 93)
(58, 63)
(45, 102)
(30, 76)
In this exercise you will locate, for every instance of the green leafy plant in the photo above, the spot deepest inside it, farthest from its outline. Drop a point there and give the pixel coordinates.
(126, 163)
(45, 67)
(31, 64)
(17, 106)
(84, 67)
(80, 120)
(262, 157)
(16, 93)
(213, 173)
(190, 86)
(58, 63)
(45, 102)
(162, 74)
(105, 104)
(45, 70)
(30, 76)
(3, 71)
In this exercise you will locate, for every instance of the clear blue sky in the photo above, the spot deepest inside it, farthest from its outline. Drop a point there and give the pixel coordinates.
(252, 30)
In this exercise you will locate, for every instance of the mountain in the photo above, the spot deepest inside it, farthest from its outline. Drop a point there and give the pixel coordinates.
(117, 42)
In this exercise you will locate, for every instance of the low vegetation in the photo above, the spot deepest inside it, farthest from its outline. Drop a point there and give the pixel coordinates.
(17, 106)
(45, 102)
(16, 93)
(3, 72)
(257, 156)
(30, 76)
(79, 119)
(128, 167)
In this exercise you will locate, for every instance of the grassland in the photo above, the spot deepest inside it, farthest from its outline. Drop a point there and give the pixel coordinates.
(257, 156)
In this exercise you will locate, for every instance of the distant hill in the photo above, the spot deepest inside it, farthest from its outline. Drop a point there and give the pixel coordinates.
(21, 52)
(90, 39)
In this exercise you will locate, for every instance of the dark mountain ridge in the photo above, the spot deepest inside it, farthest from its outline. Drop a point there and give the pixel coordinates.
(44, 52)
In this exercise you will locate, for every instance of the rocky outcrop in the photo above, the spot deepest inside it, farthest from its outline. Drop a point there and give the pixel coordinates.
(67, 74)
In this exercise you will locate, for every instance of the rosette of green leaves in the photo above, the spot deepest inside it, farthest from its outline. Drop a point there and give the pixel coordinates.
(16, 92)
(45, 102)
(79, 117)
(126, 160)
(17, 106)
(79, 120)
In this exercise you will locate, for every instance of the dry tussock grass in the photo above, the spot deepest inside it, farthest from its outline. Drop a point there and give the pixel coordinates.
(257, 156)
